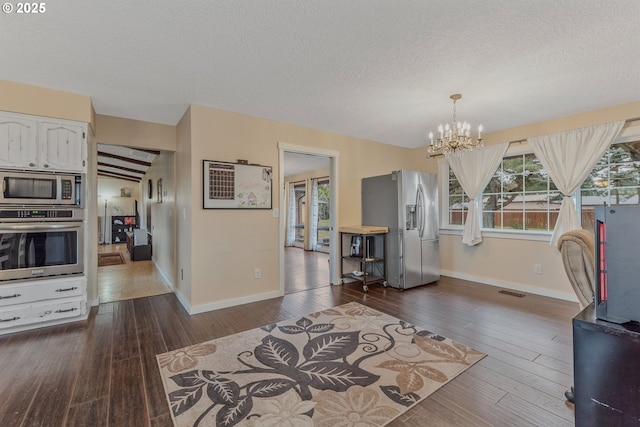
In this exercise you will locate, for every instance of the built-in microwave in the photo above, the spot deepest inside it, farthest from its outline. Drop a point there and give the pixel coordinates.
(29, 188)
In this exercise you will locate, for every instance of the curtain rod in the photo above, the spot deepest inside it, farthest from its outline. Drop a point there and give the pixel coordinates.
(520, 141)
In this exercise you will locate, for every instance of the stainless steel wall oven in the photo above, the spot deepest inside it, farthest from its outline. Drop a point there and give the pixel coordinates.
(36, 243)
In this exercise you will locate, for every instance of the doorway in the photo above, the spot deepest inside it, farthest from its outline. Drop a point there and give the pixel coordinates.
(137, 250)
(308, 217)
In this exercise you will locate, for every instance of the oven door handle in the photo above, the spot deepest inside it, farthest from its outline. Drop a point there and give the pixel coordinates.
(40, 227)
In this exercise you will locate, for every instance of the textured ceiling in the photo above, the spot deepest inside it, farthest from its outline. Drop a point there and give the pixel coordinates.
(376, 69)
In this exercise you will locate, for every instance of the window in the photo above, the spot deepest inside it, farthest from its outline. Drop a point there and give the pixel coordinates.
(300, 190)
(324, 209)
(614, 180)
(521, 197)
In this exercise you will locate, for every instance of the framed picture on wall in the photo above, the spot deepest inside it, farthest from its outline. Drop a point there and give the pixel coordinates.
(159, 190)
(150, 189)
(236, 186)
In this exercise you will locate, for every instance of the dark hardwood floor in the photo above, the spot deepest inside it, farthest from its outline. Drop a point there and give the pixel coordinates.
(103, 372)
(305, 270)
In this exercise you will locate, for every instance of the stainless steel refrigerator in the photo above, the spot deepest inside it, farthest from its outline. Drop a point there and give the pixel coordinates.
(407, 203)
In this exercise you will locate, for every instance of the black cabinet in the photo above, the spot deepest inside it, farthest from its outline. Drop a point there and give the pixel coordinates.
(606, 371)
(120, 224)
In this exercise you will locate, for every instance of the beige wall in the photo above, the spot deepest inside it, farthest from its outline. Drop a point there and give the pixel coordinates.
(184, 179)
(40, 101)
(226, 245)
(162, 214)
(135, 133)
(510, 263)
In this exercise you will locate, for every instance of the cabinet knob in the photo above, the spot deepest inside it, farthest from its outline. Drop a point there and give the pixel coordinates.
(32, 164)
(46, 165)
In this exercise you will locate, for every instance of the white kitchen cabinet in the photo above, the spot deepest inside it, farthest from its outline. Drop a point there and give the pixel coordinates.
(36, 303)
(42, 144)
(62, 147)
(18, 142)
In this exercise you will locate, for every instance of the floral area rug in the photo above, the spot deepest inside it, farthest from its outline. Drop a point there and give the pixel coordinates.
(346, 366)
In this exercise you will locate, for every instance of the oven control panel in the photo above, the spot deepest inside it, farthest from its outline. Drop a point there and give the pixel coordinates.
(19, 214)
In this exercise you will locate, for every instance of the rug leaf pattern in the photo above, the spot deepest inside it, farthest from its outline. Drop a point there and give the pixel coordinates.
(348, 365)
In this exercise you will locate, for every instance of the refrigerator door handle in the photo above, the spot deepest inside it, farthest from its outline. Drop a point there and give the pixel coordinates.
(420, 208)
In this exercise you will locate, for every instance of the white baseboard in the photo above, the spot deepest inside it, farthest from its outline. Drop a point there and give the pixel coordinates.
(227, 303)
(513, 286)
(166, 279)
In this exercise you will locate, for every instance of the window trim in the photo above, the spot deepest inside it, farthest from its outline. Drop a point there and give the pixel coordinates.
(452, 229)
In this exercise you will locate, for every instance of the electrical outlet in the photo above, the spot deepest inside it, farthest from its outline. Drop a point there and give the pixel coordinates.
(537, 268)
(257, 273)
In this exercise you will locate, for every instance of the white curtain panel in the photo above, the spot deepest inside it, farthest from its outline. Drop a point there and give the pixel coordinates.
(474, 169)
(313, 216)
(569, 157)
(291, 214)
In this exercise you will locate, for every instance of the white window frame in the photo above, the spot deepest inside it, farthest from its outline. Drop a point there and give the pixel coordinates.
(453, 229)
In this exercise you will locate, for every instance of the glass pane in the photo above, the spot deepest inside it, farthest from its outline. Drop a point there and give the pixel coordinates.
(324, 219)
(494, 185)
(587, 217)
(455, 187)
(625, 175)
(536, 181)
(536, 201)
(491, 219)
(512, 164)
(457, 217)
(452, 176)
(595, 197)
(536, 220)
(598, 178)
(625, 196)
(624, 152)
(555, 200)
(513, 220)
(456, 202)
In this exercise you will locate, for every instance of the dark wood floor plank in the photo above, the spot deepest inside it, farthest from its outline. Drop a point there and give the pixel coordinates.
(531, 412)
(555, 405)
(93, 413)
(532, 380)
(125, 337)
(59, 376)
(96, 359)
(127, 405)
(172, 331)
(555, 364)
(467, 393)
(162, 421)
(151, 344)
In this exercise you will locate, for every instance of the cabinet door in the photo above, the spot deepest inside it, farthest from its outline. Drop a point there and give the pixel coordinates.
(62, 147)
(18, 143)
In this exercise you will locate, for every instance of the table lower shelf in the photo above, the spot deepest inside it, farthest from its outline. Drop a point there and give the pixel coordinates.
(366, 280)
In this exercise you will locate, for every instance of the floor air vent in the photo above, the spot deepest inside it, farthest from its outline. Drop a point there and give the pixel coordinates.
(513, 294)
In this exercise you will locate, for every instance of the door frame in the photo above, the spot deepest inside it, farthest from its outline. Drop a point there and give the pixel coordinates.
(334, 157)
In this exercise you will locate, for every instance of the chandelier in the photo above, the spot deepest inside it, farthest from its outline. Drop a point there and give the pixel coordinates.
(455, 136)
